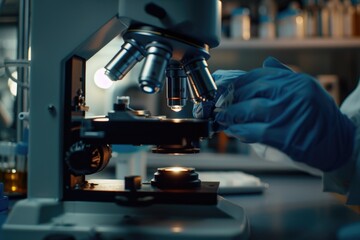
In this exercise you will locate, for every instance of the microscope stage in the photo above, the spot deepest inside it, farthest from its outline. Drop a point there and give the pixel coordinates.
(125, 128)
(111, 190)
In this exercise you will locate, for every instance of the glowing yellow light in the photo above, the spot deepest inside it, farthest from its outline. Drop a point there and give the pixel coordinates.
(176, 120)
(177, 229)
(177, 169)
(299, 20)
(13, 188)
(13, 170)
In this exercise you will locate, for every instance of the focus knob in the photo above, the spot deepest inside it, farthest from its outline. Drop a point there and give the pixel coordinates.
(85, 159)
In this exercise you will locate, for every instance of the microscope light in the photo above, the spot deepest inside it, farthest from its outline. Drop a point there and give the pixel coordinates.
(101, 80)
(176, 178)
(176, 169)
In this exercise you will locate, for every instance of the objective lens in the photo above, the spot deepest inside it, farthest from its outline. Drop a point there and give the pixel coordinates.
(176, 108)
(176, 87)
(148, 89)
(129, 54)
(152, 73)
(201, 82)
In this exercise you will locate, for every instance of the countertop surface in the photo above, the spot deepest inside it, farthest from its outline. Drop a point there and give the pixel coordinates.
(293, 207)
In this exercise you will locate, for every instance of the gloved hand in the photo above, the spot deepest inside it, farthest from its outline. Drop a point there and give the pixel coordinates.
(289, 111)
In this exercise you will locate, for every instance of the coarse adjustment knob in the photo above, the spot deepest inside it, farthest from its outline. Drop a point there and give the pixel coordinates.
(85, 159)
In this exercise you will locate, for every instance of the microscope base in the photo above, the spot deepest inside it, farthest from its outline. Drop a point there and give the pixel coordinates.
(40, 218)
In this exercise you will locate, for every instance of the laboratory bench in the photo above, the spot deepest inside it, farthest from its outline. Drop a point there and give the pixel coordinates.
(292, 207)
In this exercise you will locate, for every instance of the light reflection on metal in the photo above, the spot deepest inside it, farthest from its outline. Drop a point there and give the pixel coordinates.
(177, 169)
(101, 119)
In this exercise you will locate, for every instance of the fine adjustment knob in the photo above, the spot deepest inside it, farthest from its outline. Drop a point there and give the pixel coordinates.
(85, 159)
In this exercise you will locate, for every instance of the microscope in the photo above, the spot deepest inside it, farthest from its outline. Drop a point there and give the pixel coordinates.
(172, 40)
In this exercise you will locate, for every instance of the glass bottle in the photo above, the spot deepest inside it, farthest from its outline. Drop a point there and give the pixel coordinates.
(336, 10)
(356, 4)
(311, 18)
(324, 18)
(267, 15)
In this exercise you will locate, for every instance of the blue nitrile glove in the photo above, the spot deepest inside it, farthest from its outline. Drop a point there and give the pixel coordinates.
(280, 108)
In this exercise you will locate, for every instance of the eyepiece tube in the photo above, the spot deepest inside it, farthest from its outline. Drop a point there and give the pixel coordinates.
(176, 86)
(202, 85)
(153, 70)
(129, 54)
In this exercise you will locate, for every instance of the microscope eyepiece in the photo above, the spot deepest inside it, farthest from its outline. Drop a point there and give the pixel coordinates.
(129, 54)
(152, 72)
(202, 85)
(176, 86)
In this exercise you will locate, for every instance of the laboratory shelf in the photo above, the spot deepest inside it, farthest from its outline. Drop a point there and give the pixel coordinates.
(315, 56)
(306, 43)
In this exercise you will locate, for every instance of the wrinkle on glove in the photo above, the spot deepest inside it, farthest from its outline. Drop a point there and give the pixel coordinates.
(289, 111)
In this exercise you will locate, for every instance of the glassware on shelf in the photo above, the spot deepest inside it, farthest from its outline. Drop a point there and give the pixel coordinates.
(311, 14)
(291, 22)
(267, 28)
(336, 10)
(240, 26)
(267, 12)
(348, 19)
(356, 16)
